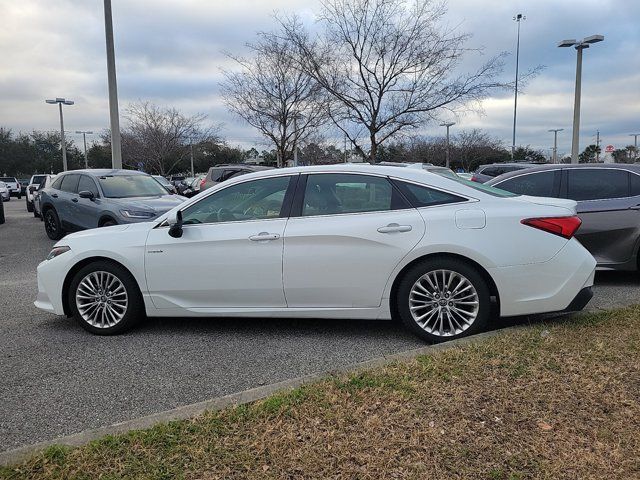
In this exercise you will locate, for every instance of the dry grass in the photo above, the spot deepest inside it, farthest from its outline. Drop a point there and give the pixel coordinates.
(551, 401)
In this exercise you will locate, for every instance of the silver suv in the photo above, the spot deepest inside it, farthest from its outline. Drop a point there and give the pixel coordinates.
(222, 172)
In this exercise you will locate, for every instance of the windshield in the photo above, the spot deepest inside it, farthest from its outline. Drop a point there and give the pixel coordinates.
(496, 192)
(38, 178)
(162, 180)
(127, 186)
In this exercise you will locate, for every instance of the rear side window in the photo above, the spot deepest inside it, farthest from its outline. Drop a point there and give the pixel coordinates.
(57, 183)
(227, 174)
(635, 184)
(535, 184)
(69, 183)
(421, 196)
(87, 184)
(597, 184)
(216, 174)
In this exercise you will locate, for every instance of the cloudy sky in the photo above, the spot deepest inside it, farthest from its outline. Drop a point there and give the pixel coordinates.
(170, 52)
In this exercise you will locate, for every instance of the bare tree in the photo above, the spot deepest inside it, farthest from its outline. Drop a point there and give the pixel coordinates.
(274, 95)
(158, 138)
(389, 66)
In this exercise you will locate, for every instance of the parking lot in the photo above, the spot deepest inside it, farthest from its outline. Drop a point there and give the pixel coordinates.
(57, 379)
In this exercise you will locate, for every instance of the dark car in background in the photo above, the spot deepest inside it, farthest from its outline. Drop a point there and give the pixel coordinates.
(82, 199)
(194, 188)
(220, 173)
(168, 186)
(484, 173)
(608, 197)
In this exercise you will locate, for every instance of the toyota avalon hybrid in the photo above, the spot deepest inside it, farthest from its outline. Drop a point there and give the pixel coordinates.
(342, 241)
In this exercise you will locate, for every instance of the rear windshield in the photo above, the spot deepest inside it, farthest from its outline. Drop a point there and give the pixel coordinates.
(8, 179)
(496, 192)
(128, 186)
(38, 178)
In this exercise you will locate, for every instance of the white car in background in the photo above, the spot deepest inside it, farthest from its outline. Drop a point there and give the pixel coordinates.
(32, 187)
(340, 241)
(13, 185)
(44, 183)
(5, 195)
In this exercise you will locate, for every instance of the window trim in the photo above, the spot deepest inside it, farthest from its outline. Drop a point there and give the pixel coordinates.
(557, 181)
(284, 209)
(298, 200)
(565, 188)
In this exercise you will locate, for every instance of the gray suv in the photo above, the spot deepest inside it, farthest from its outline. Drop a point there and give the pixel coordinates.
(608, 197)
(223, 172)
(82, 199)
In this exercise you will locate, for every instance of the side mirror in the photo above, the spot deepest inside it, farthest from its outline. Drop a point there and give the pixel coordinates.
(175, 224)
(86, 194)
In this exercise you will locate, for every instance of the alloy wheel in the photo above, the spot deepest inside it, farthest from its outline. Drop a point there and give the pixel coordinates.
(101, 299)
(443, 303)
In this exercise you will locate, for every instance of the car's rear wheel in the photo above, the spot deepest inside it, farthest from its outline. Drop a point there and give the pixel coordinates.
(105, 299)
(29, 206)
(442, 299)
(52, 225)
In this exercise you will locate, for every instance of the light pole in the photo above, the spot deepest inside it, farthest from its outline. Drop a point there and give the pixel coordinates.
(193, 174)
(635, 143)
(116, 145)
(518, 18)
(447, 124)
(597, 146)
(60, 102)
(555, 143)
(84, 139)
(579, 46)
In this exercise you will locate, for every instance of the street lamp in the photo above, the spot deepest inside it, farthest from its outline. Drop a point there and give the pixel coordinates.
(635, 143)
(518, 18)
(555, 143)
(579, 45)
(116, 148)
(447, 124)
(84, 139)
(60, 102)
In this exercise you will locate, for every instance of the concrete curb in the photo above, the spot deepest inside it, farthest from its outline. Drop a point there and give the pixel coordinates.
(247, 396)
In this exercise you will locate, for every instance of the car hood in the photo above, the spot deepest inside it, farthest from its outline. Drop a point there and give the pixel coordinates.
(159, 204)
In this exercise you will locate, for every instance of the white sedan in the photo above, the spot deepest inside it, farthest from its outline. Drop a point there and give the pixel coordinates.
(341, 241)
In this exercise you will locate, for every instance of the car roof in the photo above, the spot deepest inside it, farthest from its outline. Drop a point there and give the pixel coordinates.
(103, 172)
(556, 166)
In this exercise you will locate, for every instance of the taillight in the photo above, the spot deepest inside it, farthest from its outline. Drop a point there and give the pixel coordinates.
(563, 226)
(474, 179)
(202, 183)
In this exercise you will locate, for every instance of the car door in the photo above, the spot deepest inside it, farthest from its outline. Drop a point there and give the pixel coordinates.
(87, 209)
(610, 227)
(230, 251)
(64, 204)
(346, 234)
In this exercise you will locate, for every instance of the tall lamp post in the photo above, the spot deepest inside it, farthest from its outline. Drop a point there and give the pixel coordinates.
(60, 102)
(447, 124)
(518, 18)
(555, 143)
(579, 45)
(84, 139)
(116, 144)
(635, 143)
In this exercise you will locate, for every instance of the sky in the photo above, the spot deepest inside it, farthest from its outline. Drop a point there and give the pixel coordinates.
(171, 52)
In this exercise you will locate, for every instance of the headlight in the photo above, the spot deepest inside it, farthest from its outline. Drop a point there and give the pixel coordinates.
(137, 214)
(57, 251)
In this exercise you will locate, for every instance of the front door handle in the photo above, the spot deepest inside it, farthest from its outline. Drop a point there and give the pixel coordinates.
(264, 236)
(635, 207)
(54, 195)
(395, 228)
(74, 200)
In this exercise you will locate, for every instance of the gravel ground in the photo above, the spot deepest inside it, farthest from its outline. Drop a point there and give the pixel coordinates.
(56, 379)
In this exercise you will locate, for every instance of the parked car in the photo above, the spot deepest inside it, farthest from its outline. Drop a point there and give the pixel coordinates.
(335, 241)
(184, 184)
(484, 173)
(82, 199)
(14, 187)
(44, 183)
(176, 179)
(32, 186)
(168, 186)
(5, 194)
(220, 173)
(465, 175)
(1, 212)
(24, 182)
(608, 197)
(194, 189)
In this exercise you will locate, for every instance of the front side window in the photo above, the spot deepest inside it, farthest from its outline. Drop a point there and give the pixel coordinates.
(336, 193)
(597, 184)
(129, 186)
(69, 183)
(535, 184)
(635, 184)
(254, 200)
(87, 184)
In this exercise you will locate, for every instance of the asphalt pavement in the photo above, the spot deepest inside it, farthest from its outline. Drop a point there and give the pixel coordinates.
(56, 379)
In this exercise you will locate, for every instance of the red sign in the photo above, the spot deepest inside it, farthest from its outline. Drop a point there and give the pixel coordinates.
(609, 149)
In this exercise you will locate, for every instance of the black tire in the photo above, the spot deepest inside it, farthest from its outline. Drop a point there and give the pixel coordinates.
(108, 223)
(1, 213)
(134, 312)
(52, 224)
(29, 206)
(460, 270)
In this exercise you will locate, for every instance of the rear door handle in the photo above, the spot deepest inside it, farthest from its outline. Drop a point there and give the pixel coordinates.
(55, 195)
(264, 236)
(395, 228)
(74, 200)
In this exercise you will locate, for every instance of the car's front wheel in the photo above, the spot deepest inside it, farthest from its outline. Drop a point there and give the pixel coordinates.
(52, 225)
(105, 299)
(442, 299)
